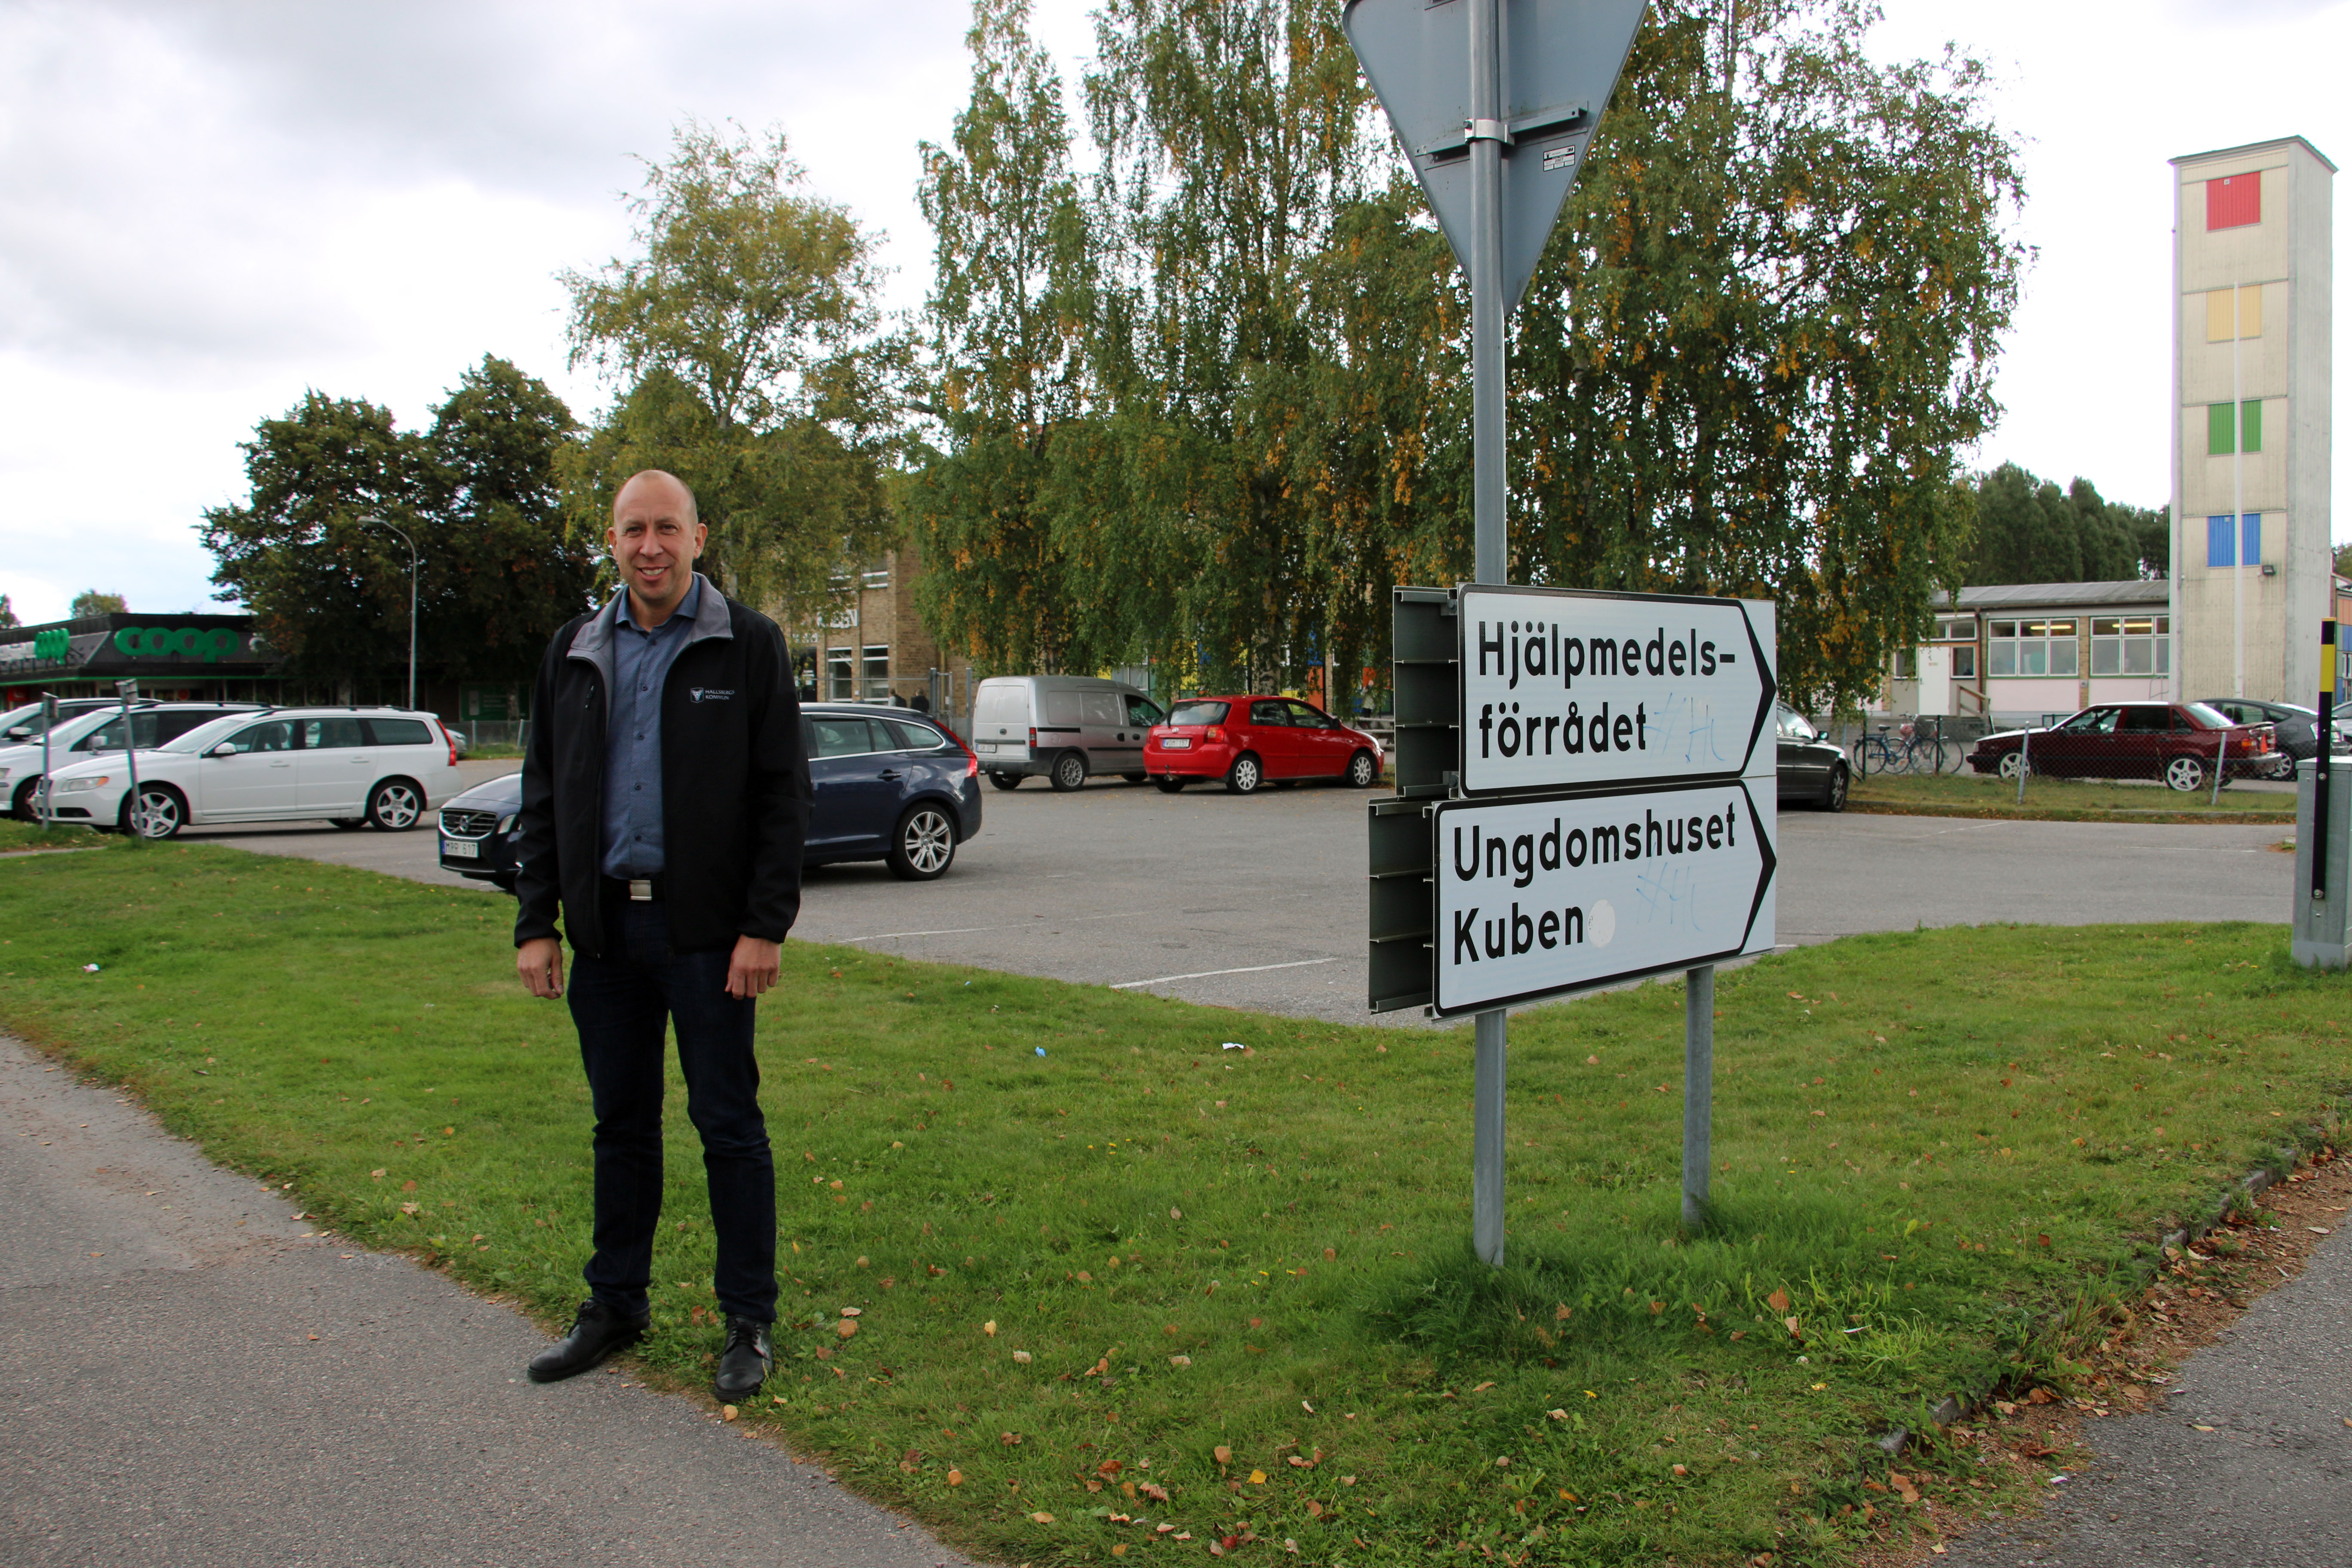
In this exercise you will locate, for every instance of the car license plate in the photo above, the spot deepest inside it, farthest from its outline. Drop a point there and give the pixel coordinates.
(986, 746)
(461, 848)
(1175, 743)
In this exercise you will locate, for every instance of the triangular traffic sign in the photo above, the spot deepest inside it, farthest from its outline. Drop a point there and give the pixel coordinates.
(1559, 61)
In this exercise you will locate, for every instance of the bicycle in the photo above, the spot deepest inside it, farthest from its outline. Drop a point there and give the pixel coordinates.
(1882, 749)
(1926, 750)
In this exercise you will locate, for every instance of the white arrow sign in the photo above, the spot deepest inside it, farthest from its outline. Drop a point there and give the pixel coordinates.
(1536, 898)
(1558, 62)
(1563, 689)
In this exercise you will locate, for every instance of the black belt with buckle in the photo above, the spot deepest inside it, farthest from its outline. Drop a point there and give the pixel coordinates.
(638, 890)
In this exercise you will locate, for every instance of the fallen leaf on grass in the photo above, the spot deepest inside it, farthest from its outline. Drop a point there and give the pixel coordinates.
(955, 1477)
(409, 1208)
(1778, 1300)
(1179, 1360)
(1023, 1357)
(1224, 1455)
(727, 1413)
(989, 1328)
(848, 1329)
(1257, 1478)
(1041, 1516)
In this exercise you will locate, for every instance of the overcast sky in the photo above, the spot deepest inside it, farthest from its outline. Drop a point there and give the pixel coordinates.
(208, 205)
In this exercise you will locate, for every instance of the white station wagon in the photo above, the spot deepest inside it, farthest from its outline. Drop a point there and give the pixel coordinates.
(378, 767)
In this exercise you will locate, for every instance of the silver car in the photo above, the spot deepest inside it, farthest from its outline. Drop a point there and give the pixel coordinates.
(1063, 726)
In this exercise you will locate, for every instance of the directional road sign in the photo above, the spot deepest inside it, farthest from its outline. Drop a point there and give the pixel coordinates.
(1564, 691)
(1536, 898)
(1559, 60)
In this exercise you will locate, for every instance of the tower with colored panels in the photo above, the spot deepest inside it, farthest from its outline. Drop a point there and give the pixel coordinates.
(2252, 274)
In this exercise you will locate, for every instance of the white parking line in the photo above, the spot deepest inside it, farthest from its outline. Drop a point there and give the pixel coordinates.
(886, 935)
(1205, 973)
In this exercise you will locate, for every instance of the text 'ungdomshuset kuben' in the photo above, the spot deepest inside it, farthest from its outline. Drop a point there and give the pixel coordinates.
(1539, 651)
(1518, 859)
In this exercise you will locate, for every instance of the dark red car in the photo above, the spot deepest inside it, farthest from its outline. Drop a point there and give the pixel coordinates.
(1246, 741)
(2179, 742)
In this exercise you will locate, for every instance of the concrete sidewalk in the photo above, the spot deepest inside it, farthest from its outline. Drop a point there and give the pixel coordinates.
(2247, 1465)
(191, 1377)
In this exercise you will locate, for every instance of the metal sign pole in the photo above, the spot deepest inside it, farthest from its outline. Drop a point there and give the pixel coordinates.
(1491, 554)
(1698, 1088)
(2319, 766)
(48, 722)
(126, 690)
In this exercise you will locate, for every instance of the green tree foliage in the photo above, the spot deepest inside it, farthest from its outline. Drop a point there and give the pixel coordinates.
(8, 613)
(1008, 390)
(1763, 331)
(743, 342)
(2029, 530)
(477, 494)
(90, 602)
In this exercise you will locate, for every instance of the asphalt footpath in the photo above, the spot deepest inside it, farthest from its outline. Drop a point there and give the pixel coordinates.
(191, 1377)
(2247, 1465)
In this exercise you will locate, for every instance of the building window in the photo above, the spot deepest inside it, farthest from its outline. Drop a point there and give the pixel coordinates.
(2131, 645)
(877, 675)
(2221, 325)
(1907, 664)
(1964, 662)
(2218, 542)
(1956, 628)
(877, 575)
(2221, 431)
(2034, 647)
(840, 675)
(2234, 201)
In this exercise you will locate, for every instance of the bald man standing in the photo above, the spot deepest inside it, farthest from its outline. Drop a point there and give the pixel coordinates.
(665, 807)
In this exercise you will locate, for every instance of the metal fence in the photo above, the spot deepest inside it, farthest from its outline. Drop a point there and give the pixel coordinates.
(2118, 757)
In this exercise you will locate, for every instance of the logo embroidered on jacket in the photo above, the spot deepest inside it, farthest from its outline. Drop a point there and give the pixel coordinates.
(708, 694)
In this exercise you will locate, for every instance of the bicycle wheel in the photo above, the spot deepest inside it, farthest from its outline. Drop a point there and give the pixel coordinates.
(1899, 754)
(1862, 758)
(1928, 755)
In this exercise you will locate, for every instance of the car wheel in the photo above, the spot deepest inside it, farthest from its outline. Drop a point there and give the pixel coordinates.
(1833, 797)
(1069, 772)
(23, 807)
(2185, 774)
(395, 805)
(348, 823)
(1363, 772)
(1245, 775)
(924, 846)
(159, 813)
(1006, 781)
(1169, 784)
(2012, 763)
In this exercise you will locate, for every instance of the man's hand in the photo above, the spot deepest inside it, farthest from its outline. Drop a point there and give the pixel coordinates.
(540, 962)
(753, 967)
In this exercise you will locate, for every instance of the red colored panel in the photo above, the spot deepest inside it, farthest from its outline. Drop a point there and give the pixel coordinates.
(2233, 202)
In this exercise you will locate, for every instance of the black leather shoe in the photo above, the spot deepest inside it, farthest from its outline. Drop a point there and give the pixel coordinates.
(746, 1361)
(596, 1334)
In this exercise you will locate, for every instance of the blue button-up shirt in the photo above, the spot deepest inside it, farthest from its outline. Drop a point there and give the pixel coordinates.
(632, 777)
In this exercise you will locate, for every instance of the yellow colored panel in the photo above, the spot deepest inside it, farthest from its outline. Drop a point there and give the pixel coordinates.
(2249, 314)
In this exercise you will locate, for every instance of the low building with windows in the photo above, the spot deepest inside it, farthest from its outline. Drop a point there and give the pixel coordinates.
(2013, 652)
(870, 644)
(192, 658)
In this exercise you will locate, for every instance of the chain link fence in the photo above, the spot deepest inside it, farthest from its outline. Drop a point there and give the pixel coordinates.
(2148, 755)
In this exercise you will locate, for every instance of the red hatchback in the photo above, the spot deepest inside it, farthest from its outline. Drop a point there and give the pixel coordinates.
(1245, 741)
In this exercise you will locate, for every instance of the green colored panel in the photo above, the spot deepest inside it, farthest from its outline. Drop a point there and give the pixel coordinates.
(2221, 435)
(2252, 421)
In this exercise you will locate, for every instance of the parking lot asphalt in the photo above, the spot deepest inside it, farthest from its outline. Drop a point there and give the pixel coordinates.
(1259, 901)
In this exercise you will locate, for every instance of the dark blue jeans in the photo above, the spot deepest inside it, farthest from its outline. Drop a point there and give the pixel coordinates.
(620, 1006)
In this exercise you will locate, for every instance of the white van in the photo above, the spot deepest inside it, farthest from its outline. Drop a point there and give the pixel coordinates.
(1063, 726)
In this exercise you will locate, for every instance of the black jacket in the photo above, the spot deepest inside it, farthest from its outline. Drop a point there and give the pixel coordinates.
(735, 784)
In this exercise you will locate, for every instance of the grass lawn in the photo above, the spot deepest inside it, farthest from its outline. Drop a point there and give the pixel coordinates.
(21, 836)
(2062, 800)
(1941, 1153)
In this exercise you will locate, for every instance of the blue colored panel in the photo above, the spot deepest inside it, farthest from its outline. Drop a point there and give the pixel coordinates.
(2217, 543)
(2251, 528)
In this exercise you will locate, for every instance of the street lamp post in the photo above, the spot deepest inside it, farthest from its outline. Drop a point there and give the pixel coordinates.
(411, 606)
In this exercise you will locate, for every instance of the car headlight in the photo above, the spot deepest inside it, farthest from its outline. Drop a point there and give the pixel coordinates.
(506, 822)
(76, 786)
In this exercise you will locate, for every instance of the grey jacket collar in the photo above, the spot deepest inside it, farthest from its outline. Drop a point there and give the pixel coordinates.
(593, 640)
